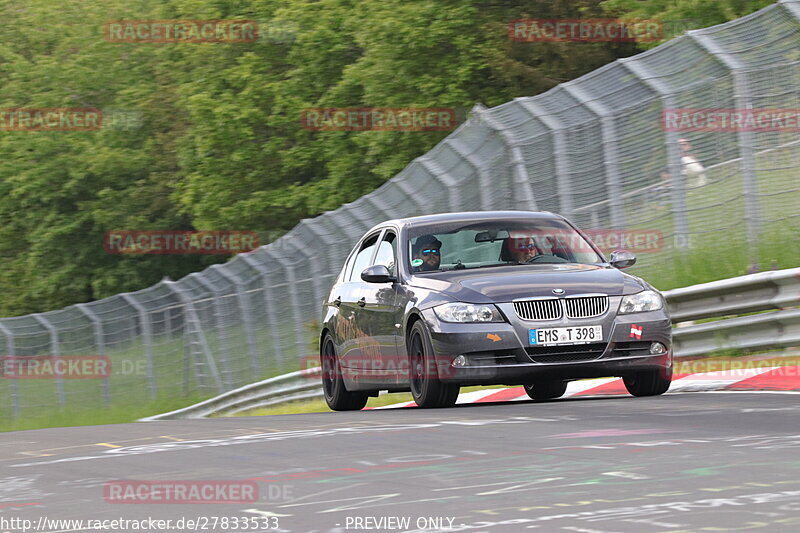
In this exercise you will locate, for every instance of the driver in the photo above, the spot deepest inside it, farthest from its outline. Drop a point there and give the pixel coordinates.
(427, 249)
(519, 249)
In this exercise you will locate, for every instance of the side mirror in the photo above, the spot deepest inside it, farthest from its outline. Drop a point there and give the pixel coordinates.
(377, 274)
(622, 259)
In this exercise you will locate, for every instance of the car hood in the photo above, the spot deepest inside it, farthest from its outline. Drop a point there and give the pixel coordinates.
(506, 283)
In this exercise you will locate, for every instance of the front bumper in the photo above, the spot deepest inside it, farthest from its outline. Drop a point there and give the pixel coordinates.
(499, 353)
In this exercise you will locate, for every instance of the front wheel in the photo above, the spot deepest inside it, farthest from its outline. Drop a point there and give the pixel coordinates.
(426, 388)
(546, 390)
(337, 396)
(649, 382)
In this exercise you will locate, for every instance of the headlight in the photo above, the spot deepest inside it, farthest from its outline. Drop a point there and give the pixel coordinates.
(639, 302)
(461, 312)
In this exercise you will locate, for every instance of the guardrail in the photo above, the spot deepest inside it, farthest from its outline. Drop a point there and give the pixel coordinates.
(764, 291)
(300, 385)
(777, 292)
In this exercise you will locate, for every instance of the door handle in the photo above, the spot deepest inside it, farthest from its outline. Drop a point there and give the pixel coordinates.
(362, 302)
(338, 301)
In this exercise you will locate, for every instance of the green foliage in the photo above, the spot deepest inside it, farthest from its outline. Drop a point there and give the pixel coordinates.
(216, 142)
(679, 16)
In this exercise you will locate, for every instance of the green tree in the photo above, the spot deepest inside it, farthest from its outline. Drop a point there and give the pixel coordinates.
(679, 16)
(217, 141)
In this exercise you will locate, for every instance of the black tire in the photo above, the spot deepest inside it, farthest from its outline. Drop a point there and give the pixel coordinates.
(426, 388)
(649, 383)
(546, 390)
(337, 396)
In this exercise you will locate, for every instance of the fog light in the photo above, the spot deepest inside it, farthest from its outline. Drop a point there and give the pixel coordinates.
(460, 361)
(657, 348)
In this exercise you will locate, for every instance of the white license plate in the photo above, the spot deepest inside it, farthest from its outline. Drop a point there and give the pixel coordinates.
(570, 335)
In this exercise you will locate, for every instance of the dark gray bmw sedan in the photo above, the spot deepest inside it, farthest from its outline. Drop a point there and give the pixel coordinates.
(433, 303)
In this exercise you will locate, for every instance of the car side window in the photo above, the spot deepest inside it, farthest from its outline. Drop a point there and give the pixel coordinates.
(344, 275)
(387, 252)
(362, 258)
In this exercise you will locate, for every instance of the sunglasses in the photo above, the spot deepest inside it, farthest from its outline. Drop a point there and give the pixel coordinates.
(431, 251)
(527, 246)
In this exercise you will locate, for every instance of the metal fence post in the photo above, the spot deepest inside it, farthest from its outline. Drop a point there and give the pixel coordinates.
(99, 342)
(195, 333)
(342, 228)
(523, 195)
(332, 246)
(10, 348)
(54, 352)
(484, 180)
(411, 193)
(222, 341)
(247, 319)
(194, 330)
(448, 181)
(563, 178)
(391, 208)
(298, 318)
(268, 305)
(792, 6)
(741, 89)
(352, 231)
(147, 340)
(374, 199)
(610, 156)
(674, 166)
(320, 291)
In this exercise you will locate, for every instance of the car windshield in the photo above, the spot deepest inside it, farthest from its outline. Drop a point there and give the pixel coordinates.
(436, 248)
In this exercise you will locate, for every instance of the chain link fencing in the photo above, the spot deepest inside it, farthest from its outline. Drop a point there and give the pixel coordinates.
(594, 149)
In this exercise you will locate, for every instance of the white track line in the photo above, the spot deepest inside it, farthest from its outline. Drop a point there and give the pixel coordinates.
(705, 382)
(716, 380)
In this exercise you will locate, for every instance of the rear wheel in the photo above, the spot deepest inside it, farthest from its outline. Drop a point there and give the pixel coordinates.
(546, 390)
(649, 382)
(426, 388)
(337, 396)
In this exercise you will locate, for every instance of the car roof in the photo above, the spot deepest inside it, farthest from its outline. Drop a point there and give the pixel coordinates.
(466, 216)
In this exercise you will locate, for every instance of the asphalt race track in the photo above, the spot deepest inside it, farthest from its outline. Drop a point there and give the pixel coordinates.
(681, 462)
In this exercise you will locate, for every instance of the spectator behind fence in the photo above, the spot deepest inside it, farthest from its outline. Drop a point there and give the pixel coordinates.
(693, 172)
(661, 193)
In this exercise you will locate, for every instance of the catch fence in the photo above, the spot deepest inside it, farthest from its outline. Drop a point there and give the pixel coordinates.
(595, 149)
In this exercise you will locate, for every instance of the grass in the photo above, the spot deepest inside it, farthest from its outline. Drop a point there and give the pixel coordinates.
(179, 381)
(319, 405)
(92, 416)
(717, 245)
(718, 257)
